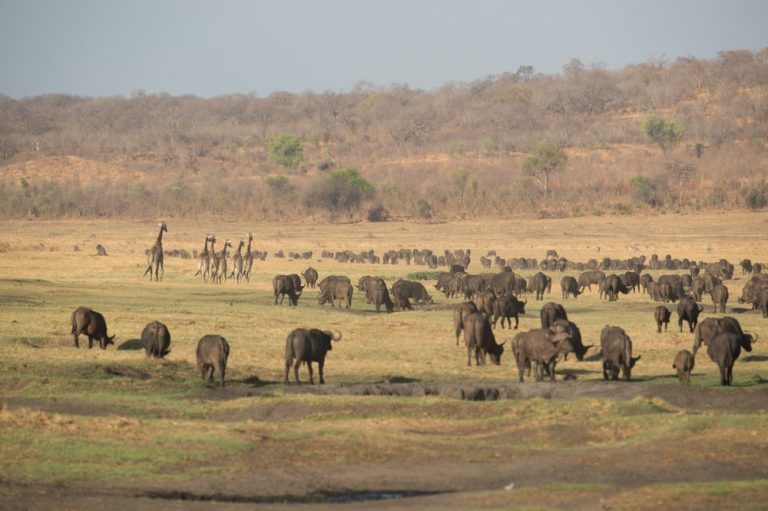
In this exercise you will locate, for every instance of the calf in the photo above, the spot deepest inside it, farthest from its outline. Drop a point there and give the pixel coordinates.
(684, 362)
(156, 339)
(308, 345)
(91, 323)
(616, 347)
(662, 315)
(212, 355)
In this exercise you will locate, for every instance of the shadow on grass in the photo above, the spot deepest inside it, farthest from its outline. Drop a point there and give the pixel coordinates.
(755, 358)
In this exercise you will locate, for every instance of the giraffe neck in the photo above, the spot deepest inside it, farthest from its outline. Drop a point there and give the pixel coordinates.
(159, 241)
(205, 247)
(248, 251)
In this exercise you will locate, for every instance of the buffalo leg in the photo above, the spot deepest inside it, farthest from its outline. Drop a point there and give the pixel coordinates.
(287, 369)
(90, 342)
(77, 340)
(311, 377)
(469, 355)
(222, 369)
(296, 371)
(521, 367)
(320, 364)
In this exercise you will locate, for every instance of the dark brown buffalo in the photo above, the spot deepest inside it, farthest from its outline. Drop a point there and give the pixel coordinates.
(508, 307)
(283, 285)
(460, 312)
(310, 275)
(540, 284)
(645, 279)
(550, 313)
(688, 310)
(710, 327)
(340, 290)
(484, 301)
(616, 349)
(91, 323)
(719, 296)
(412, 290)
(662, 316)
(588, 278)
(684, 363)
(308, 345)
(380, 296)
(480, 341)
(575, 344)
(156, 340)
(724, 348)
(569, 286)
(212, 355)
(541, 346)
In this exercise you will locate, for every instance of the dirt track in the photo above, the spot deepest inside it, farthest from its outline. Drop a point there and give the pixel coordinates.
(451, 484)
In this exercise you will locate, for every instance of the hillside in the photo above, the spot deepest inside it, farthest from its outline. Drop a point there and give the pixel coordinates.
(453, 152)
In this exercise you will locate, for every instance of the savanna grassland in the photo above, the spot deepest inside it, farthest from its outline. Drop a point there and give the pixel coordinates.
(87, 429)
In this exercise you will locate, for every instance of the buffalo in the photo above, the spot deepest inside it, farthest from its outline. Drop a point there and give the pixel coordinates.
(541, 283)
(508, 307)
(460, 312)
(91, 323)
(542, 346)
(308, 345)
(212, 354)
(587, 278)
(287, 285)
(479, 338)
(310, 275)
(550, 313)
(710, 327)
(340, 290)
(719, 296)
(569, 286)
(616, 348)
(412, 290)
(724, 348)
(688, 310)
(574, 345)
(684, 363)
(156, 340)
(662, 316)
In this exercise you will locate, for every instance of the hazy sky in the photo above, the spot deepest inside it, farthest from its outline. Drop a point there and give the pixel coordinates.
(210, 48)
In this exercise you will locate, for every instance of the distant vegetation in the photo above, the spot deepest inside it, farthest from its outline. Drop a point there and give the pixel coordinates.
(665, 136)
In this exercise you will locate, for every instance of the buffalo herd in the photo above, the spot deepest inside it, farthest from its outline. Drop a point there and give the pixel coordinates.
(488, 298)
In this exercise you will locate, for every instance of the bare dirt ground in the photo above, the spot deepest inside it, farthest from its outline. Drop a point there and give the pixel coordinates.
(608, 475)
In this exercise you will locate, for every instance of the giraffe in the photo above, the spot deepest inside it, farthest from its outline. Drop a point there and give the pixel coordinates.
(221, 263)
(248, 260)
(203, 262)
(155, 256)
(237, 263)
(213, 263)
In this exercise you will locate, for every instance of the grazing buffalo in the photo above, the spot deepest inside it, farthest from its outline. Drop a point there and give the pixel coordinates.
(662, 316)
(402, 303)
(310, 275)
(710, 327)
(212, 355)
(480, 341)
(574, 345)
(542, 346)
(156, 340)
(719, 296)
(340, 290)
(308, 345)
(616, 348)
(616, 286)
(550, 313)
(412, 290)
(688, 310)
(587, 278)
(724, 348)
(287, 285)
(91, 323)
(380, 296)
(684, 362)
(645, 279)
(508, 307)
(460, 312)
(569, 286)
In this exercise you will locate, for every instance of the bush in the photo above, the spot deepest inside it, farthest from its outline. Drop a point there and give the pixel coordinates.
(423, 275)
(378, 214)
(755, 199)
(423, 209)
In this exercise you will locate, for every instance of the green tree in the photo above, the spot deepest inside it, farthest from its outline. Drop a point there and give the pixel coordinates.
(285, 149)
(339, 191)
(545, 159)
(666, 134)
